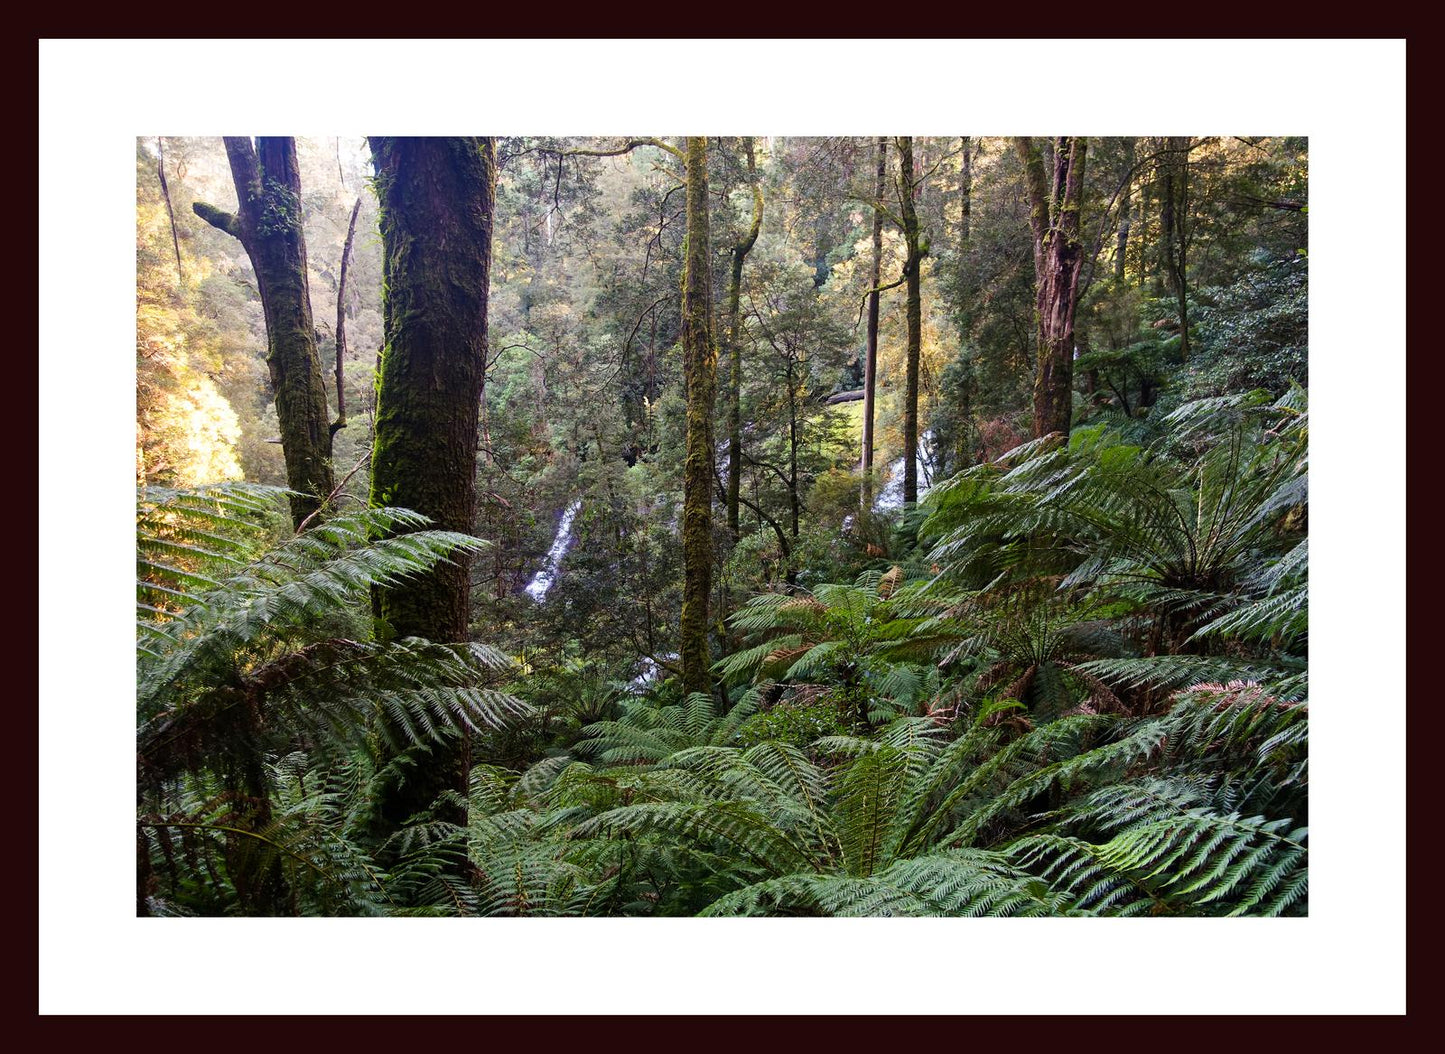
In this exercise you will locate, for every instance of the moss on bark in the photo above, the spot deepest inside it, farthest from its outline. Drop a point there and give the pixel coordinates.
(912, 267)
(700, 374)
(1058, 256)
(436, 205)
(268, 223)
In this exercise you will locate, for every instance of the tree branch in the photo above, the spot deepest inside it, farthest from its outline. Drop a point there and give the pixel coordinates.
(218, 218)
(874, 203)
(880, 289)
(627, 148)
(339, 487)
(761, 515)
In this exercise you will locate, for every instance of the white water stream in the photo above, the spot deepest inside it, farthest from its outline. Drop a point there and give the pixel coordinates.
(543, 579)
(891, 496)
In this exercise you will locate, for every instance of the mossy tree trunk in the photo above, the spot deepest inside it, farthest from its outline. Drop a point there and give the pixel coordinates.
(436, 205)
(1141, 230)
(700, 375)
(1058, 257)
(268, 223)
(1174, 227)
(964, 443)
(870, 354)
(907, 188)
(1121, 242)
(735, 345)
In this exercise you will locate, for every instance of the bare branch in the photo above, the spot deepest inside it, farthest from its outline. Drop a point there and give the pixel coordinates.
(332, 496)
(166, 193)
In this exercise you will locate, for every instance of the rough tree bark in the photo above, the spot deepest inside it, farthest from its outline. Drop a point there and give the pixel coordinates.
(870, 367)
(699, 356)
(1058, 256)
(911, 268)
(267, 222)
(436, 204)
(735, 348)
(340, 421)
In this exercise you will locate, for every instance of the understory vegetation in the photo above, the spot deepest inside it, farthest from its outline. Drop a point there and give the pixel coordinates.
(1095, 705)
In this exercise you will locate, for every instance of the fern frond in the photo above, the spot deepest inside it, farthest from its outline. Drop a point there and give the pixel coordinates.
(958, 882)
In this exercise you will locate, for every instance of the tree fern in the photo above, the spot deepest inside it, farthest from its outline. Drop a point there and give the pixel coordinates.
(252, 646)
(1197, 811)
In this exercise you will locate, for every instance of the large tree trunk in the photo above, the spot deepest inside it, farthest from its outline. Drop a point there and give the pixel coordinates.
(911, 269)
(1058, 257)
(699, 356)
(870, 368)
(268, 224)
(735, 346)
(436, 205)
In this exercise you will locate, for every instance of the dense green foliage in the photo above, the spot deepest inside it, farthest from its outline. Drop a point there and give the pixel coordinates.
(1071, 680)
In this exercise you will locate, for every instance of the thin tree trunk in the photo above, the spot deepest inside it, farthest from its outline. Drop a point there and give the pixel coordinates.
(340, 421)
(735, 348)
(1174, 219)
(436, 210)
(870, 368)
(700, 375)
(1141, 236)
(794, 502)
(170, 212)
(268, 223)
(964, 443)
(911, 268)
(965, 192)
(1121, 244)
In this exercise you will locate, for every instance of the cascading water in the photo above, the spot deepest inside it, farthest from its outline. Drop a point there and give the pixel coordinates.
(652, 671)
(543, 579)
(891, 496)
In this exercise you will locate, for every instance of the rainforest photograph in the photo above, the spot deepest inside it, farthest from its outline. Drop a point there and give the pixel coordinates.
(632, 525)
(722, 525)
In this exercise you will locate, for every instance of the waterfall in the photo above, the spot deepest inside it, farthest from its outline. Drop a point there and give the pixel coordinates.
(652, 671)
(891, 496)
(543, 579)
